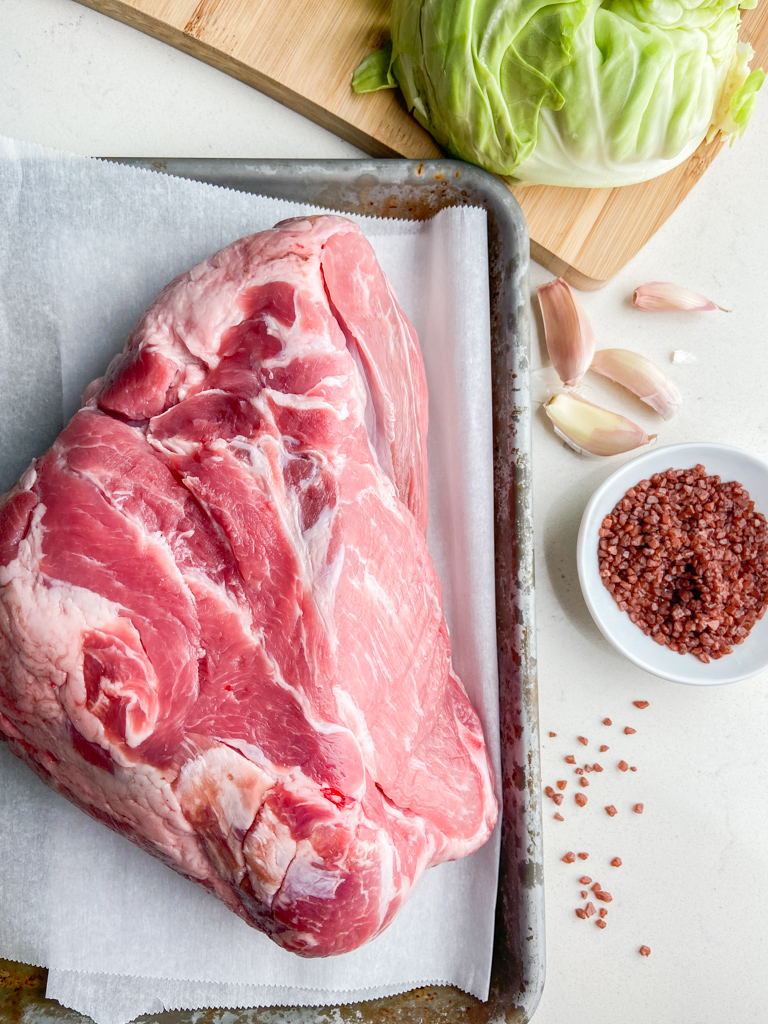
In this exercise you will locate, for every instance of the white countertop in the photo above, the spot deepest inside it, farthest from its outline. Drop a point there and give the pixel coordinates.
(693, 885)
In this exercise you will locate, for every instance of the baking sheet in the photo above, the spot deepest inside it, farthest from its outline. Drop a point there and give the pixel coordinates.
(81, 232)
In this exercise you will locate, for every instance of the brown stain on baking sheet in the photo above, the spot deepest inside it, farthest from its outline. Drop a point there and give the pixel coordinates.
(201, 15)
(20, 986)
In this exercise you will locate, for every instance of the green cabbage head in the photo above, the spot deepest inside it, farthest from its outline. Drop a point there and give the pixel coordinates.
(587, 93)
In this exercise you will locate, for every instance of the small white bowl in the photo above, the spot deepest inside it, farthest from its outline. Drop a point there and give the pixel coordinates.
(748, 658)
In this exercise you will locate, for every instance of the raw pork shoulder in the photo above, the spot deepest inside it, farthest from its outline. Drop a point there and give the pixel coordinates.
(221, 632)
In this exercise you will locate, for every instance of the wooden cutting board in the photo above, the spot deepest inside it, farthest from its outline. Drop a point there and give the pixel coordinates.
(303, 53)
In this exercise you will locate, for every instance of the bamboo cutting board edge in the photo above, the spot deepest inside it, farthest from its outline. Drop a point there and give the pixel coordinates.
(196, 47)
(583, 235)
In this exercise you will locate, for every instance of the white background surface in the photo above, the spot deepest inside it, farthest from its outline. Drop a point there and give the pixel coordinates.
(693, 885)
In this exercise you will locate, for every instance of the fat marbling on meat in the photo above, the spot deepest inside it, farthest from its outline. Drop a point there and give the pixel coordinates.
(221, 632)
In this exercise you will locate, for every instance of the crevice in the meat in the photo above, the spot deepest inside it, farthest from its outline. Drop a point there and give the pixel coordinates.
(279, 891)
(140, 425)
(373, 416)
(217, 529)
(392, 803)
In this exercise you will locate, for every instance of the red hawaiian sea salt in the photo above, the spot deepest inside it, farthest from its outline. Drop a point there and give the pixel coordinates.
(686, 556)
(645, 951)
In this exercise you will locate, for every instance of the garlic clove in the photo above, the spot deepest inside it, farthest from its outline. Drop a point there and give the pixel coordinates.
(592, 430)
(568, 333)
(656, 295)
(640, 376)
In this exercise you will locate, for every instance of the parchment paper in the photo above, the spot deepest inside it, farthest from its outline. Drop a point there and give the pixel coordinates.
(84, 247)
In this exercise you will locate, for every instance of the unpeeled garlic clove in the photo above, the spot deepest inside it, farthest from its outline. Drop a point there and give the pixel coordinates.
(656, 295)
(591, 429)
(568, 333)
(640, 376)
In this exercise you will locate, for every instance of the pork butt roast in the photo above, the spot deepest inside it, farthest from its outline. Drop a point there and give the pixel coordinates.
(221, 632)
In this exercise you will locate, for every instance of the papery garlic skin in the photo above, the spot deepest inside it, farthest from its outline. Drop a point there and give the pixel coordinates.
(680, 355)
(567, 331)
(642, 377)
(591, 429)
(663, 295)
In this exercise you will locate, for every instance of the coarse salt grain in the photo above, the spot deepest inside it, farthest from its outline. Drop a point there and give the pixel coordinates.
(616, 862)
(583, 740)
(562, 783)
(558, 817)
(638, 808)
(603, 749)
(611, 810)
(569, 858)
(607, 721)
(570, 759)
(580, 799)
(629, 731)
(622, 765)
(638, 704)
(583, 856)
(600, 922)
(645, 951)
